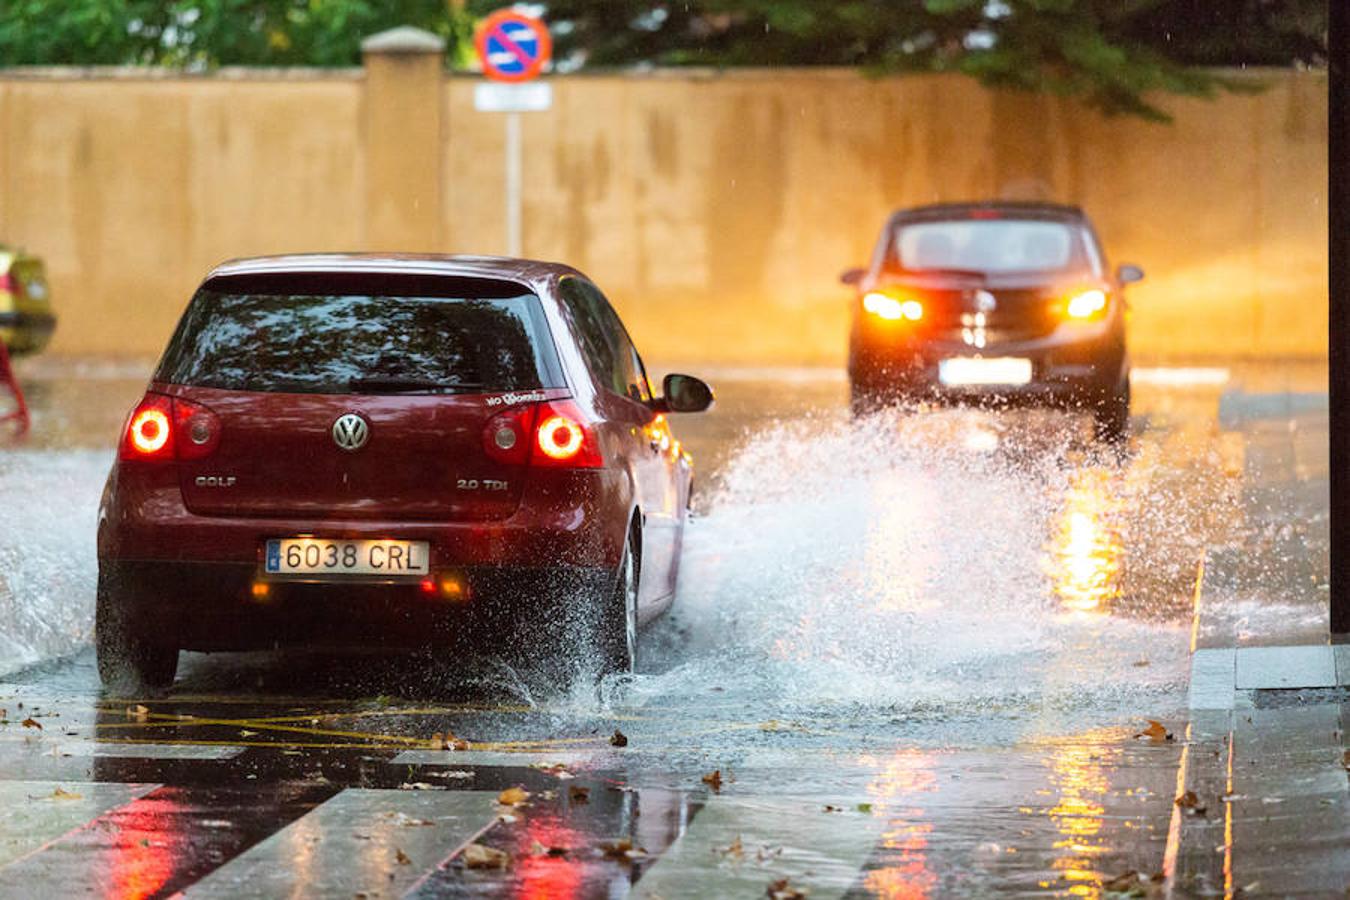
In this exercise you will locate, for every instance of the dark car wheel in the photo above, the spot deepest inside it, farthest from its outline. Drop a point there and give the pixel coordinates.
(128, 663)
(618, 627)
(1112, 415)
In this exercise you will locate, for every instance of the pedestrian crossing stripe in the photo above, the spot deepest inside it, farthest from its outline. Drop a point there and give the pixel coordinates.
(373, 842)
(389, 843)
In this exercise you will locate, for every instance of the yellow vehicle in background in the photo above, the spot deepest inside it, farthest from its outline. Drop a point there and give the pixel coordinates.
(26, 318)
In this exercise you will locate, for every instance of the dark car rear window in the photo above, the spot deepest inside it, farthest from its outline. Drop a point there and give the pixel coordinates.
(337, 343)
(1006, 245)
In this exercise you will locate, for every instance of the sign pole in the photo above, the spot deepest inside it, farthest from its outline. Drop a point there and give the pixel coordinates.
(513, 178)
(513, 49)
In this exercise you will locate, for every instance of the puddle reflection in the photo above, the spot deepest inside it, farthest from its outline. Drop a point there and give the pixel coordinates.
(1079, 785)
(1087, 551)
(905, 873)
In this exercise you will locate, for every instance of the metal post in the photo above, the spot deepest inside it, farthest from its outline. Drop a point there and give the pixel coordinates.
(7, 377)
(513, 184)
(1339, 343)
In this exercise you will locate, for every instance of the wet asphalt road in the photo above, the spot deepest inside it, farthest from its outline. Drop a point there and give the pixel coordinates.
(910, 657)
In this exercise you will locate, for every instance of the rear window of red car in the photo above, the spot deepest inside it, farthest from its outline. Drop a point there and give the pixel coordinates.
(293, 334)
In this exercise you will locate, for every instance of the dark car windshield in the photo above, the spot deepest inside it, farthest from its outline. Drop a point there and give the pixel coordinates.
(360, 343)
(1004, 245)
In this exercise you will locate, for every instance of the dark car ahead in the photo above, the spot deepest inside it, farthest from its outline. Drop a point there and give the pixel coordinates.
(392, 452)
(1010, 303)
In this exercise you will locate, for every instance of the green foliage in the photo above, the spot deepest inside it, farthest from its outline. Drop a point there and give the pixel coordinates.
(208, 33)
(1111, 53)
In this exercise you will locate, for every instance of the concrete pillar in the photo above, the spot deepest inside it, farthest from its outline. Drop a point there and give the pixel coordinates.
(402, 130)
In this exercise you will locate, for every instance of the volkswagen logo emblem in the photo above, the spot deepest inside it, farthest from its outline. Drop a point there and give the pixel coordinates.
(350, 432)
(985, 302)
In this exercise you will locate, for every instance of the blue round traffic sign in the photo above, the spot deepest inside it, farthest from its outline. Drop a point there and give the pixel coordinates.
(513, 46)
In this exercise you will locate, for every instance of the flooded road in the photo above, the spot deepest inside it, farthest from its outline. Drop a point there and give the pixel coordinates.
(911, 656)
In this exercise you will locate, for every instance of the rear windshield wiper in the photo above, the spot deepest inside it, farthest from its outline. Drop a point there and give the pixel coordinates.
(936, 270)
(395, 385)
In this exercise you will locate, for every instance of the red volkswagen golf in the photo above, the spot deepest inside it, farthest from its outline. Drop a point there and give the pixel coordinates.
(392, 452)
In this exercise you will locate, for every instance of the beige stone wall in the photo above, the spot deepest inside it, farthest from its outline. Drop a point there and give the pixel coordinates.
(716, 210)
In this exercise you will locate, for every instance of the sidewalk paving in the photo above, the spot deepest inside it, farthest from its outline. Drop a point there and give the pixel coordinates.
(1263, 798)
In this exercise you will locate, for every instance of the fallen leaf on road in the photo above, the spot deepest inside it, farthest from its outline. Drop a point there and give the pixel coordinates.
(1191, 803)
(1345, 757)
(401, 857)
(32, 723)
(60, 794)
(622, 848)
(1155, 732)
(833, 809)
(618, 739)
(448, 741)
(138, 713)
(1140, 663)
(1132, 884)
(578, 794)
(782, 889)
(734, 850)
(478, 856)
(714, 780)
(513, 796)
(864, 807)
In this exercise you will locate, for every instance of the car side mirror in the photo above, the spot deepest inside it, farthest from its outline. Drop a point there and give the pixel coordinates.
(685, 394)
(1128, 274)
(852, 276)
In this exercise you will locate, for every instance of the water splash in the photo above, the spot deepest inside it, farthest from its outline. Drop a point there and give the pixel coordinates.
(48, 566)
(917, 563)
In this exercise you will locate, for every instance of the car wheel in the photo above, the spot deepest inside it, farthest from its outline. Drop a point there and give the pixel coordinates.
(864, 400)
(1112, 415)
(128, 663)
(618, 630)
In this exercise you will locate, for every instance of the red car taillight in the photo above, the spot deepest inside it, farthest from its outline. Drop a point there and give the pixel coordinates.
(546, 434)
(161, 428)
(562, 438)
(6, 282)
(196, 429)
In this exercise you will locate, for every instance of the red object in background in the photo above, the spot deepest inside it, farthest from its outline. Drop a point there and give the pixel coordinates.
(513, 46)
(20, 412)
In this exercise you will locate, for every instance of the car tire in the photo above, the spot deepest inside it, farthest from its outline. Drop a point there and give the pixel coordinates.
(618, 625)
(128, 663)
(864, 400)
(1111, 417)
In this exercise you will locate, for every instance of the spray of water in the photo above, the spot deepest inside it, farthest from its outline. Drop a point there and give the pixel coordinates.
(916, 564)
(47, 555)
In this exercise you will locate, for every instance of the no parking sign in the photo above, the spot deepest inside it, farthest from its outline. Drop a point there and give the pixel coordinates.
(513, 46)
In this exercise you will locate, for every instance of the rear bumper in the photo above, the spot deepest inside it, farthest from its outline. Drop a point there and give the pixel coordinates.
(1067, 369)
(214, 606)
(191, 577)
(26, 332)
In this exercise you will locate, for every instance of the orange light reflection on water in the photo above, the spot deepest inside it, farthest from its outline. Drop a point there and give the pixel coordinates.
(1079, 782)
(897, 788)
(1086, 550)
